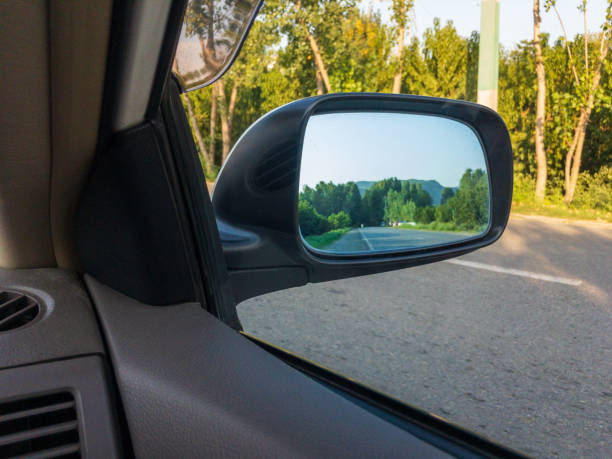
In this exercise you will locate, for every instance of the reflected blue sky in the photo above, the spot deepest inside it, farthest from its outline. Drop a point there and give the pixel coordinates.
(343, 147)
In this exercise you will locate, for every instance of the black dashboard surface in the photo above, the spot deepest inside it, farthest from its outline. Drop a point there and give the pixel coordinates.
(193, 387)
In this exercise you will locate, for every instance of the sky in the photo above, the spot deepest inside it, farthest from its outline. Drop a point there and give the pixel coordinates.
(515, 17)
(373, 146)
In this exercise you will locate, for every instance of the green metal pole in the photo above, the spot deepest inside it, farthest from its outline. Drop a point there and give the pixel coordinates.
(488, 55)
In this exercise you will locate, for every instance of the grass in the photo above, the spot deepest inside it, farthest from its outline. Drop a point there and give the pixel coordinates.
(592, 201)
(321, 241)
(560, 210)
(439, 226)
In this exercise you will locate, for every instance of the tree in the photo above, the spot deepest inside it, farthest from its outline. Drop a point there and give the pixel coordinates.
(444, 213)
(227, 113)
(540, 152)
(447, 193)
(400, 10)
(438, 66)
(425, 214)
(213, 119)
(470, 205)
(277, 65)
(316, 24)
(314, 46)
(360, 59)
(311, 222)
(394, 204)
(588, 94)
(352, 202)
(339, 220)
(201, 146)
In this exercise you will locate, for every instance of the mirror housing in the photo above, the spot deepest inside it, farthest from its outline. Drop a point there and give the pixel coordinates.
(255, 198)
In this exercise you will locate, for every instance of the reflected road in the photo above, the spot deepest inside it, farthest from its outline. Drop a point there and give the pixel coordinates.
(387, 238)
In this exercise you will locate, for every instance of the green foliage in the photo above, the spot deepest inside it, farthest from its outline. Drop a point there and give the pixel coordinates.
(435, 225)
(447, 193)
(470, 205)
(339, 220)
(321, 241)
(563, 100)
(425, 214)
(328, 206)
(444, 213)
(438, 66)
(524, 188)
(277, 65)
(329, 198)
(311, 221)
(595, 192)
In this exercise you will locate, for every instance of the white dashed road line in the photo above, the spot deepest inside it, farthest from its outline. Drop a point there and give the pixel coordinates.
(366, 239)
(516, 272)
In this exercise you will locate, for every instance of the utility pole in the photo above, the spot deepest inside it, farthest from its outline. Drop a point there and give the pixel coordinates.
(488, 54)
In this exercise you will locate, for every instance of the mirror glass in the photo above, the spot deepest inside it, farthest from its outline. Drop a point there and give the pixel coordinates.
(389, 181)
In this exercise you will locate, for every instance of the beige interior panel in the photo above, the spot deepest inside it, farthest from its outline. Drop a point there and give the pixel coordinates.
(25, 139)
(141, 57)
(52, 61)
(79, 32)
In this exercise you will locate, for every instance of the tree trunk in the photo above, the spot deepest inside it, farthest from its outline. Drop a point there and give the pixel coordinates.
(232, 104)
(540, 152)
(202, 152)
(572, 149)
(320, 89)
(575, 170)
(213, 122)
(397, 79)
(225, 127)
(318, 60)
(320, 65)
(575, 157)
(209, 53)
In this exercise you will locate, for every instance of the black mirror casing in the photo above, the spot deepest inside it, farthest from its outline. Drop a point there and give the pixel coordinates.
(256, 195)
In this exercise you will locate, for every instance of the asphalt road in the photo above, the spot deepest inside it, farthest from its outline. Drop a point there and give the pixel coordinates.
(517, 347)
(387, 238)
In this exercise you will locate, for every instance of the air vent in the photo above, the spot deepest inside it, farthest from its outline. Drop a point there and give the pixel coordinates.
(278, 169)
(16, 310)
(40, 427)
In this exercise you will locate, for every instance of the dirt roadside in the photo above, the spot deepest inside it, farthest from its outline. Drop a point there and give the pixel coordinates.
(561, 221)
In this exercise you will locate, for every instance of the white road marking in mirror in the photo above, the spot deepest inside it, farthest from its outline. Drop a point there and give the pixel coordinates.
(516, 272)
(366, 240)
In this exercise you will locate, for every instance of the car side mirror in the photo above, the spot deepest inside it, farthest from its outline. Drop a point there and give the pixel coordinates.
(345, 185)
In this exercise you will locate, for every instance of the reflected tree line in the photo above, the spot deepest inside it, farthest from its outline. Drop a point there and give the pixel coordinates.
(398, 203)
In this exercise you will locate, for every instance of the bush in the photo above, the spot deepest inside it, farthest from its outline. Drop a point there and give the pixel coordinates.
(339, 220)
(524, 188)
(594, 191)
(311, 221)
(425, 214)
(444, 212)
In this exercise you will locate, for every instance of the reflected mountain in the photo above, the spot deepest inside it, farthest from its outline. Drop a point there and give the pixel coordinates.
(431, 186)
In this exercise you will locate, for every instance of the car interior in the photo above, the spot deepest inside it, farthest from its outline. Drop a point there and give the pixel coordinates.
(119, 276)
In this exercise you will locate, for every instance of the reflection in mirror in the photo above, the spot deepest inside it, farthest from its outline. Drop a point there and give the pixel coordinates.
(389, 181)
(211, 34)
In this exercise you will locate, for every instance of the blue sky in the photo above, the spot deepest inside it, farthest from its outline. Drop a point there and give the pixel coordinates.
(515, 17)
(373, 146)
